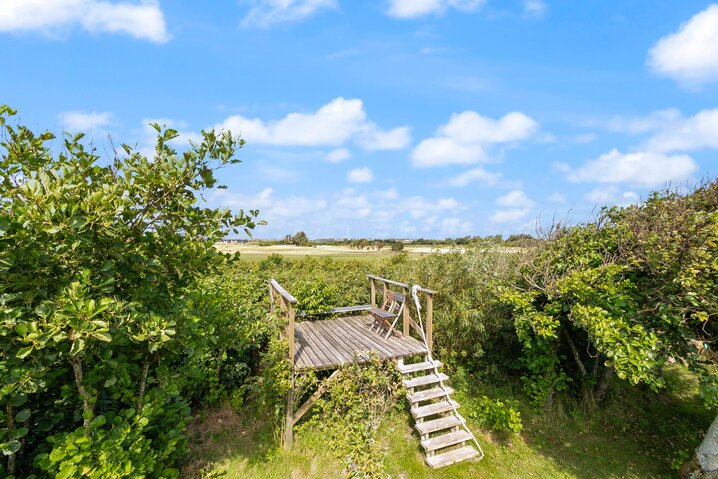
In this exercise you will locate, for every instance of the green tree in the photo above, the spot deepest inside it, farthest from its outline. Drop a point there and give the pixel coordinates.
(96, 265)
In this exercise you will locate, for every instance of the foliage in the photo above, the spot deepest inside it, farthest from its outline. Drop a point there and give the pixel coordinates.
(621, 295)
(349, 414)
(497, 415)
(297, 239)
(103, 300)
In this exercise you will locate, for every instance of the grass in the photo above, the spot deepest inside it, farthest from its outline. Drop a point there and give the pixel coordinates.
(253, 252)
(637, 434)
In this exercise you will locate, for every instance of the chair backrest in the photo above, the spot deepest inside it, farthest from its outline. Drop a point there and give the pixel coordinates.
(392, 301)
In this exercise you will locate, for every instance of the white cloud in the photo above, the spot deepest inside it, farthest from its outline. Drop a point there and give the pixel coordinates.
(510, 215)
(611, 195)
(639, 168)
(475, 175)
(331, 125)
(143, 19)
(657, 120)
(74, 121)
(689, 56)
(683, 134)
(463, 140)
(338, 155)
(534, 8)
(515, 199)
(266, 13)
(360, 175)
(557, 198)
(407, 9)
(376, 139)
(384, 213)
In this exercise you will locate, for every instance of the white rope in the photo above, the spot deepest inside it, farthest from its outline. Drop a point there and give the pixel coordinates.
(415, 293)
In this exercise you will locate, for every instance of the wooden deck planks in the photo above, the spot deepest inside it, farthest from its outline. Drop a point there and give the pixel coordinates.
(328, 344)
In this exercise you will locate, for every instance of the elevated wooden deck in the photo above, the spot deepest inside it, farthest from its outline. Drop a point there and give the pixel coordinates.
(330, 343)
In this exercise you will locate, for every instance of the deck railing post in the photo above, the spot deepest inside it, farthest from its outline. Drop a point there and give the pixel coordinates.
(289, 415)
(290, 332)
(373, 292)
(429, 320)
(405, 328)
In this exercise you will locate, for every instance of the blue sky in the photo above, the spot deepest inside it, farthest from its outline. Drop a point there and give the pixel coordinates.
(389, 118)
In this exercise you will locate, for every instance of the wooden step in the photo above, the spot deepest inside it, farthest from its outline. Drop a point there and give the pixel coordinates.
(424, 380)
(427, 427)
(431, 409)
(428, 394)
(451, 457)
(445, 440)
(412, 368)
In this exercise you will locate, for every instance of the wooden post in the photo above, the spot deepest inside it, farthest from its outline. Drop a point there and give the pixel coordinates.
(373, 292)
(406, 311)
(429, 319)
(289, 413)
(290, 333)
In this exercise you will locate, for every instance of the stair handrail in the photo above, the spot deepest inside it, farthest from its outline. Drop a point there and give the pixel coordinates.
(415, 294)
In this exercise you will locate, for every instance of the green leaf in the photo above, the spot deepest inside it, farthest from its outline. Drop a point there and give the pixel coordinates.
(18, 400)
(111, 381)
(23, 415)
(10, 447)
(77, 346)
(19, 432)
(106, 337)
(24, 352)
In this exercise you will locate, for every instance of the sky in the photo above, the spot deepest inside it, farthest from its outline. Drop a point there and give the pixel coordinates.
(388, 118)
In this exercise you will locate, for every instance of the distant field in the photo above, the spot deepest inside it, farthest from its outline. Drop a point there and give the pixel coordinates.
(255, 252)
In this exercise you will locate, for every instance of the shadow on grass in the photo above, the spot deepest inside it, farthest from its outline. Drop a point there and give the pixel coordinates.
(220, 435)
(635, 433)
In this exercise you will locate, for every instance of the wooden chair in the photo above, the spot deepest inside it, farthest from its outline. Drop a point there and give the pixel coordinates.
(389, 313)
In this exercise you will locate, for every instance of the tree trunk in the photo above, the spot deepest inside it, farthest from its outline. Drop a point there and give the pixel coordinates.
(88, 402)
(143, 384)
(576, 356)
(10, 415)
(707, 452)
(604, 383)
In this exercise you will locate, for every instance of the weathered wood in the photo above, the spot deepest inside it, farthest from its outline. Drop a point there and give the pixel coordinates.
(288, 424)
(326, 344)
(373, 292)
(424, 380)
(283, 292)
(387, 281)
(429, 321)
(445, 440)
(428, 394)
(451, 457)
(406, 314)
(433, 409)
(290, 332)
(312, 399)
(423, 366)
(448, 422)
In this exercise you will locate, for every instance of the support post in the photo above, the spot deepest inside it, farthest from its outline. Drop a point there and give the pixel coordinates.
(405, 328)
(290, 333)
(429, 320)
(289, 421)
(373, 292)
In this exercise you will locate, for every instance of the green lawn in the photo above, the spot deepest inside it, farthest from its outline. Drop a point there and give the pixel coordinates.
(636, 435)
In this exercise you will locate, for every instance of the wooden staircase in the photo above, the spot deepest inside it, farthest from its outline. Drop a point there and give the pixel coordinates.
(444, 436)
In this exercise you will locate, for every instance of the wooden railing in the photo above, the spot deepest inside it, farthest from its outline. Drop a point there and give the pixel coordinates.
(280, 296)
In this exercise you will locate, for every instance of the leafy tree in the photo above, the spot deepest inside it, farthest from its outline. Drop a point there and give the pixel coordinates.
(622, 295)
(100, 265)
